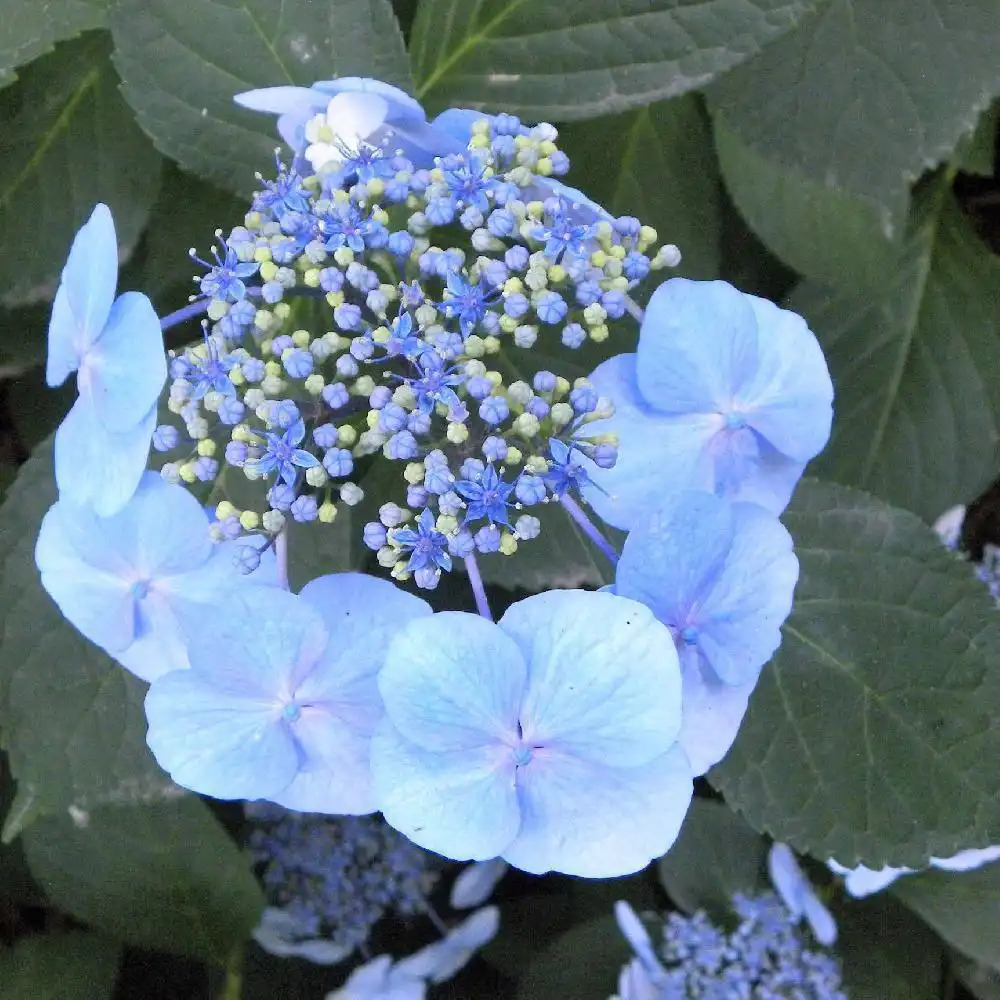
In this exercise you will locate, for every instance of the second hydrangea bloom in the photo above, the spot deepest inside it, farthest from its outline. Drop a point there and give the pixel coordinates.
(548, 738)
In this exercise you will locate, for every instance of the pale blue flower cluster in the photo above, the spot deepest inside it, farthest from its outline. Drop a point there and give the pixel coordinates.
(765, 958)
(566, 735)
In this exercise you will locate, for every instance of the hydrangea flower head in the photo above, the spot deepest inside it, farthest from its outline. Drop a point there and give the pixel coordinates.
(548, 739)
(115, 346)
(720, 576)
(281, 700)
(132, 582)
(726, 393)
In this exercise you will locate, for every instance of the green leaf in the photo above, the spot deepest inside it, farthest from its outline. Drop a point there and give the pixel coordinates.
(583, 964)
(31, 27)
(71, 719)
(162, 875)
(715, 856)
(556, 60)
(963, 907)
(976, 153)
(73, 966)
(871, 734)
(917, 406)
(68, 141)
(657, 164)
(886, 953)
(181, 64)
(821, 232)
(317, 549)
(982, 981)
(866, 94)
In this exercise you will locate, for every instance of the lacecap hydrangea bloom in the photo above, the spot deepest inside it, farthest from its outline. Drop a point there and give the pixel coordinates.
(369, 342)
(766, 957)
(116, 349)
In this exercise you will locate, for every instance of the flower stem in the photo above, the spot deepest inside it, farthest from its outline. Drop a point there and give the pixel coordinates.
(588, 527)
(476, 581)
(281, 557)
(185, 313)
(634, 309)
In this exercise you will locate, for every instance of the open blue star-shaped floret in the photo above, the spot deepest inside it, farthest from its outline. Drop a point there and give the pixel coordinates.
(428, 550)
(563, 473)
(468, 302)
(283, 455)
(436, 382)
(469, 181)
(562, 236)
(206, 374)
(345, 226)
(225, 277)
(487, 496)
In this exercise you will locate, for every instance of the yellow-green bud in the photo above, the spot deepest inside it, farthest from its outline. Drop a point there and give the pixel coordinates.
(474, 347)
(496, 378)
(492, 344)
(301, 338)
(562, 386)
(327, 512)
(447, 524)
(508, 323)
(414, 473)
(272, 385)
(273, 368)
(364, 385)
(314, 384)
(343, 256)
(387, 556)
(598, 333)
(595, 314)
(310, 277)
(519, 392)
(347, 436)
(513, 285)
(514, 456)
(474, 368)
(249, 520)
(508, 544)
(236, 375)
(526, 426)
(335, 299)
(197, 428)
(598, 258)
(262, 255)
(273, 521)
(316, 476)
(217, 309)
(224, 509)
(187, 472)
(457, 433)
(403, 396)
(561, 414)
(206, 448)
(536, 465)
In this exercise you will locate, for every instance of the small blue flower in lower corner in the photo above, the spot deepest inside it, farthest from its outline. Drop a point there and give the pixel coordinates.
(548, 739)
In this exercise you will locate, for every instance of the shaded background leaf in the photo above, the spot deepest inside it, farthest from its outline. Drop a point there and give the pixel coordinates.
(73, 966)
(870, 737)
(548, 59)
(68, 141)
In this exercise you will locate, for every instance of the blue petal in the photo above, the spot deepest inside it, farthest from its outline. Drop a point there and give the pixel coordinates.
(475, 884)
(596, 821)
(726, 570)
(216, 742)
(461, 804)
(453, 681)
(335, 771)
(97, 466)
(441, 960)
(260, 644)
(457, 123)
(128, 363)
(697, 347)
(83, 299)
(656, 454)
(798, 894)
(94, 598)
(712, 712)
(283, 100)
(789, 399)
(403, 107)
(603, 677)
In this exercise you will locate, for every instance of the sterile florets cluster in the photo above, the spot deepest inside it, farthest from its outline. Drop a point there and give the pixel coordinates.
(433, 285)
